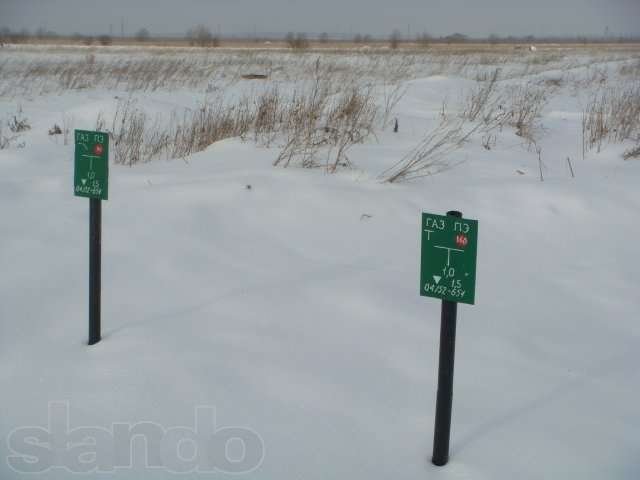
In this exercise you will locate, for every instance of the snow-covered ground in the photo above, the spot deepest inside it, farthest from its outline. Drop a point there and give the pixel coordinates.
(292, 307)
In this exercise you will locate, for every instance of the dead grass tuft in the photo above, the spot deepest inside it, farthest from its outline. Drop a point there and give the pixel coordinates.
(613, 115)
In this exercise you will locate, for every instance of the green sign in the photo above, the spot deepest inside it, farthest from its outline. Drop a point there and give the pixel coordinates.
(91, 173)
(448, 264)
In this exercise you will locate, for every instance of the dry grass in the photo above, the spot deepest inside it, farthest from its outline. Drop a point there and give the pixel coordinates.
(29, 73)
(306, 122)
(486, 110)
(336, 124)
(430, 155)
(18, 123)
(632, 153)
(613, 115)
(525, 106)
(12, 128)
(518, 106)
(481, 99)
(5, 139)
(631, 69)
(29, 70)
(139, 138)
(316, 104)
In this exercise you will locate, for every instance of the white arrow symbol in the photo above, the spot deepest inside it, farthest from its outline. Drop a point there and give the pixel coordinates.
(437, 279)
(83, 180)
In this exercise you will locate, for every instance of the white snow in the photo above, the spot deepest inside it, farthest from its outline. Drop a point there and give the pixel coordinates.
(292, 314)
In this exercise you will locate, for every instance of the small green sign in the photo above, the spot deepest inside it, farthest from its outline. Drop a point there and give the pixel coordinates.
(448, 264)
(91, 173)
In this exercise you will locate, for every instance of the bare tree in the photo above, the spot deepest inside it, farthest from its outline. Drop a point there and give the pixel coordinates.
(394, 39)
(423, 39)
(201, 36)
(143, 35)
(297, 41)
(105, 40)
(19, 37)
(5, 35)
(494, 38)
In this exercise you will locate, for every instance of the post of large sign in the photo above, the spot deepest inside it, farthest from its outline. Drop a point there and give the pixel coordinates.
(447, 272)
(91, 180)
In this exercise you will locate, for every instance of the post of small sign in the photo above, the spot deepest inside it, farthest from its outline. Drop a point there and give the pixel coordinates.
(447, 272)
(91, 180)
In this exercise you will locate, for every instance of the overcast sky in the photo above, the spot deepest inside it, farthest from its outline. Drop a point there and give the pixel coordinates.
(378, 17)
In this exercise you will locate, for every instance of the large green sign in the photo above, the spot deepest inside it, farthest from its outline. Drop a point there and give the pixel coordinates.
(448, 265)
(91, 173)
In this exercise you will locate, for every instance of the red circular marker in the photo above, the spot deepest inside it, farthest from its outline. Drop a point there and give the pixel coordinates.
(98, 149)
(461, 240)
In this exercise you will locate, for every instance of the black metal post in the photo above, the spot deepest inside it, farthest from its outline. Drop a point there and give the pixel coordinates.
(444, 399)
(95, 252)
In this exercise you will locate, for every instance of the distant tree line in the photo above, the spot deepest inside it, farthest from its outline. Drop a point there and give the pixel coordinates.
(202, 36)
(143, 35)
(8, 36)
